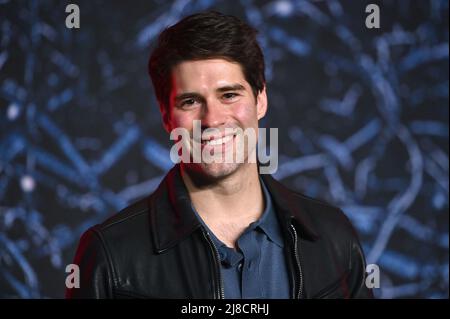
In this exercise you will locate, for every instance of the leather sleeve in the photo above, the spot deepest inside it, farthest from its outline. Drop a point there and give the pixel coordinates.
(95, 271)
(357, 266)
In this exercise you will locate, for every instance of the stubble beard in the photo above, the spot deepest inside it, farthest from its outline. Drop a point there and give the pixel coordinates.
(212, 172)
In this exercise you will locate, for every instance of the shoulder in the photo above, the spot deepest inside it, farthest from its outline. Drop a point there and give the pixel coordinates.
(126, 227)
(330, 222)
(132, 214)
(322, 211)
(324, 219)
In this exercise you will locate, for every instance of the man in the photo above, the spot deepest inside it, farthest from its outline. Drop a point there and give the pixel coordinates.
(218, 229)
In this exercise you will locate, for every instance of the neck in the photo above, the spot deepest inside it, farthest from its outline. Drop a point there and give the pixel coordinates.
(227, 205)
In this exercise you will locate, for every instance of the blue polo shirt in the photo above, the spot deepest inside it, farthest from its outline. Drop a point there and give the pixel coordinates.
(257, 267)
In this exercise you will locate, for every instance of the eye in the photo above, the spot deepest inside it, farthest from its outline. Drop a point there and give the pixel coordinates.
(229, 96)
(188, 102)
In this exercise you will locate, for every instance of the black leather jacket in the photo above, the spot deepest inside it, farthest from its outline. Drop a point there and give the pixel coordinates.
(156, 248)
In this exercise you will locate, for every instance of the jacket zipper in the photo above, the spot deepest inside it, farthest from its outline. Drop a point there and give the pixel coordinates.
(299, 267)
(220, 290)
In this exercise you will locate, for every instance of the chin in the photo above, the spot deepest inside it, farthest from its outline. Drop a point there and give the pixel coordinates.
(212, 171)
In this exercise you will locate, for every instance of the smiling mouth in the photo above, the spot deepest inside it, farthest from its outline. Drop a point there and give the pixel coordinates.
(218, 141)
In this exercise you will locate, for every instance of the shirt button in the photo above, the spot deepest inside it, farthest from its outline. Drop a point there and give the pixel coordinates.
(240, 266)
(222, 255)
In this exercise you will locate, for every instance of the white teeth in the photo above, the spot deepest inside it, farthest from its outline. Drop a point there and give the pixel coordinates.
(219, 141)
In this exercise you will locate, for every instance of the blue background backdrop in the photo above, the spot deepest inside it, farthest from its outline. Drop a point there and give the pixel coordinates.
(362, 117)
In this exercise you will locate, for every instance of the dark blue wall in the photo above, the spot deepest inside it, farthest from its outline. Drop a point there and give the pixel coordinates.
(362, 117)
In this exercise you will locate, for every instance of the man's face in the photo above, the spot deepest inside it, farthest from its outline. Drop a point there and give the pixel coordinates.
(216, 93)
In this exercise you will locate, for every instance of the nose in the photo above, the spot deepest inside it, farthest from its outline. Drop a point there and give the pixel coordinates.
(213, 114)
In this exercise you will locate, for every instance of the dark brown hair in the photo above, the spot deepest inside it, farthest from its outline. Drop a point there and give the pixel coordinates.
(202, 36)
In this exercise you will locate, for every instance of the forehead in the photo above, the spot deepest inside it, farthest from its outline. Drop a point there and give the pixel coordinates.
(206, 74)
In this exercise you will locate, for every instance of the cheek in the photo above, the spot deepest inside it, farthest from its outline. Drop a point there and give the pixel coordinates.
(245, 113)
(181, 119)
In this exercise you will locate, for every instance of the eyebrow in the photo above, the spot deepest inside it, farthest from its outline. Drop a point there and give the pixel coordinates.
(233, 87)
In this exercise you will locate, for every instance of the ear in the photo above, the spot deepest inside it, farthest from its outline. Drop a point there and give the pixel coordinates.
(261, 103)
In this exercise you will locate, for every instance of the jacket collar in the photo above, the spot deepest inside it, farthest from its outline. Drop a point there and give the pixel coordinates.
(172, 217)
(289, 206)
